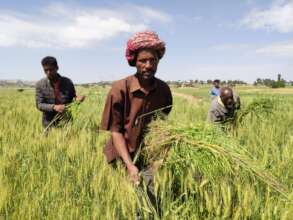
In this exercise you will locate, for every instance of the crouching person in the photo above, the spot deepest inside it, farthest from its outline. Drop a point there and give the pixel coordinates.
(224, 106)
(132, 104)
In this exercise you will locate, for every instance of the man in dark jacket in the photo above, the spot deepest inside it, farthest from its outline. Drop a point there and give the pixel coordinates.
(53, 92)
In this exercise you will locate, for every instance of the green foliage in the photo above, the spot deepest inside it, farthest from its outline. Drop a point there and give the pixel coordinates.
(204, 162)
(279, 83)
(257, 109)
(207, 174)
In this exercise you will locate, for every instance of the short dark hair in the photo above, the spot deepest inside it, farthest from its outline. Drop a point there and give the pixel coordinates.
(216, 81)
(48, 60)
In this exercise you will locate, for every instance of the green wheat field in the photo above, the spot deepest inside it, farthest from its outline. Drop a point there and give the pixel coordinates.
(245, 172)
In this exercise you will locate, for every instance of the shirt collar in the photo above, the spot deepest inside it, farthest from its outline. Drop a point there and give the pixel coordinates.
(135, 85)
(58, 77)
(220, 101)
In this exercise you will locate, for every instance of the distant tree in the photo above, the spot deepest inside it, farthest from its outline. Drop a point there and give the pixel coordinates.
(280, 83)
(258, 81)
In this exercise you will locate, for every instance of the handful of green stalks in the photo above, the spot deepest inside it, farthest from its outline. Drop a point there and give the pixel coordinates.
(205, 151)
(206, 174)
(258, 108)
(77, 113)
(71, 112)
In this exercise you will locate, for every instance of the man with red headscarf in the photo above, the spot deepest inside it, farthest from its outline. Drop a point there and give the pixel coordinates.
(134, 101)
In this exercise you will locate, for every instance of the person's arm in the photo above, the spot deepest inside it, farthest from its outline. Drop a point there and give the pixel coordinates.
(214, 116)
(237, 102)
(43, 106)
(169, 101)
(113, 121)
(40, 101)
(121, 148)
(78, 98)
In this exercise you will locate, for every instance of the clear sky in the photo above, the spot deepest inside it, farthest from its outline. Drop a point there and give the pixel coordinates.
(207, 39)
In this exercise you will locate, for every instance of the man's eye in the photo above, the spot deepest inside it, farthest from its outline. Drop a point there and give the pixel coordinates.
(152, 61)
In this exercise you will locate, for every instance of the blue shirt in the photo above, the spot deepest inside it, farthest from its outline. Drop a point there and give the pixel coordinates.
(215, 91)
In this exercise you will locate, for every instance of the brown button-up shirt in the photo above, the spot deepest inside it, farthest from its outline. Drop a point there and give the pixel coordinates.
(126, 111)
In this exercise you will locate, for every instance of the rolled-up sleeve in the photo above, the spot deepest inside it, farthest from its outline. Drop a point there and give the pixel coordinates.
(40, 101)
(214, 116)
(211, 116)
(237, 101)
(113, 115)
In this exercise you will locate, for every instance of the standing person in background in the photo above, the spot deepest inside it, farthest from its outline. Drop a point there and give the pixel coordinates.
(215, 91)
(132, 104)
(53, 92)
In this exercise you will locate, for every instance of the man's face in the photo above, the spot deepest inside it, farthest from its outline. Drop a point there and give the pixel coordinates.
(146, 64)
(228, 100)
(217, 84)
(50, 71)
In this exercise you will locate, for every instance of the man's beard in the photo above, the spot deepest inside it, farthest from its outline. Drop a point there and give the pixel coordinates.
(148, 75)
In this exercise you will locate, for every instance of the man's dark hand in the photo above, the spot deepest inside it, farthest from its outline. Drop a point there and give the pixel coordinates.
(80, 98)
(133, 173)
(59, 108)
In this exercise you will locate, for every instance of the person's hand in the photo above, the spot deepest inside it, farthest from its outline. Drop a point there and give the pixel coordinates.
(59, 108)
(80, 98)
(133, 173)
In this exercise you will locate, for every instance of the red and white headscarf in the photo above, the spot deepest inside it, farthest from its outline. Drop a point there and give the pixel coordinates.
(144, 40)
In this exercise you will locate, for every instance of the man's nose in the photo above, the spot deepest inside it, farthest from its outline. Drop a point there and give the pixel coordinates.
(49, 72)
(149, 65)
